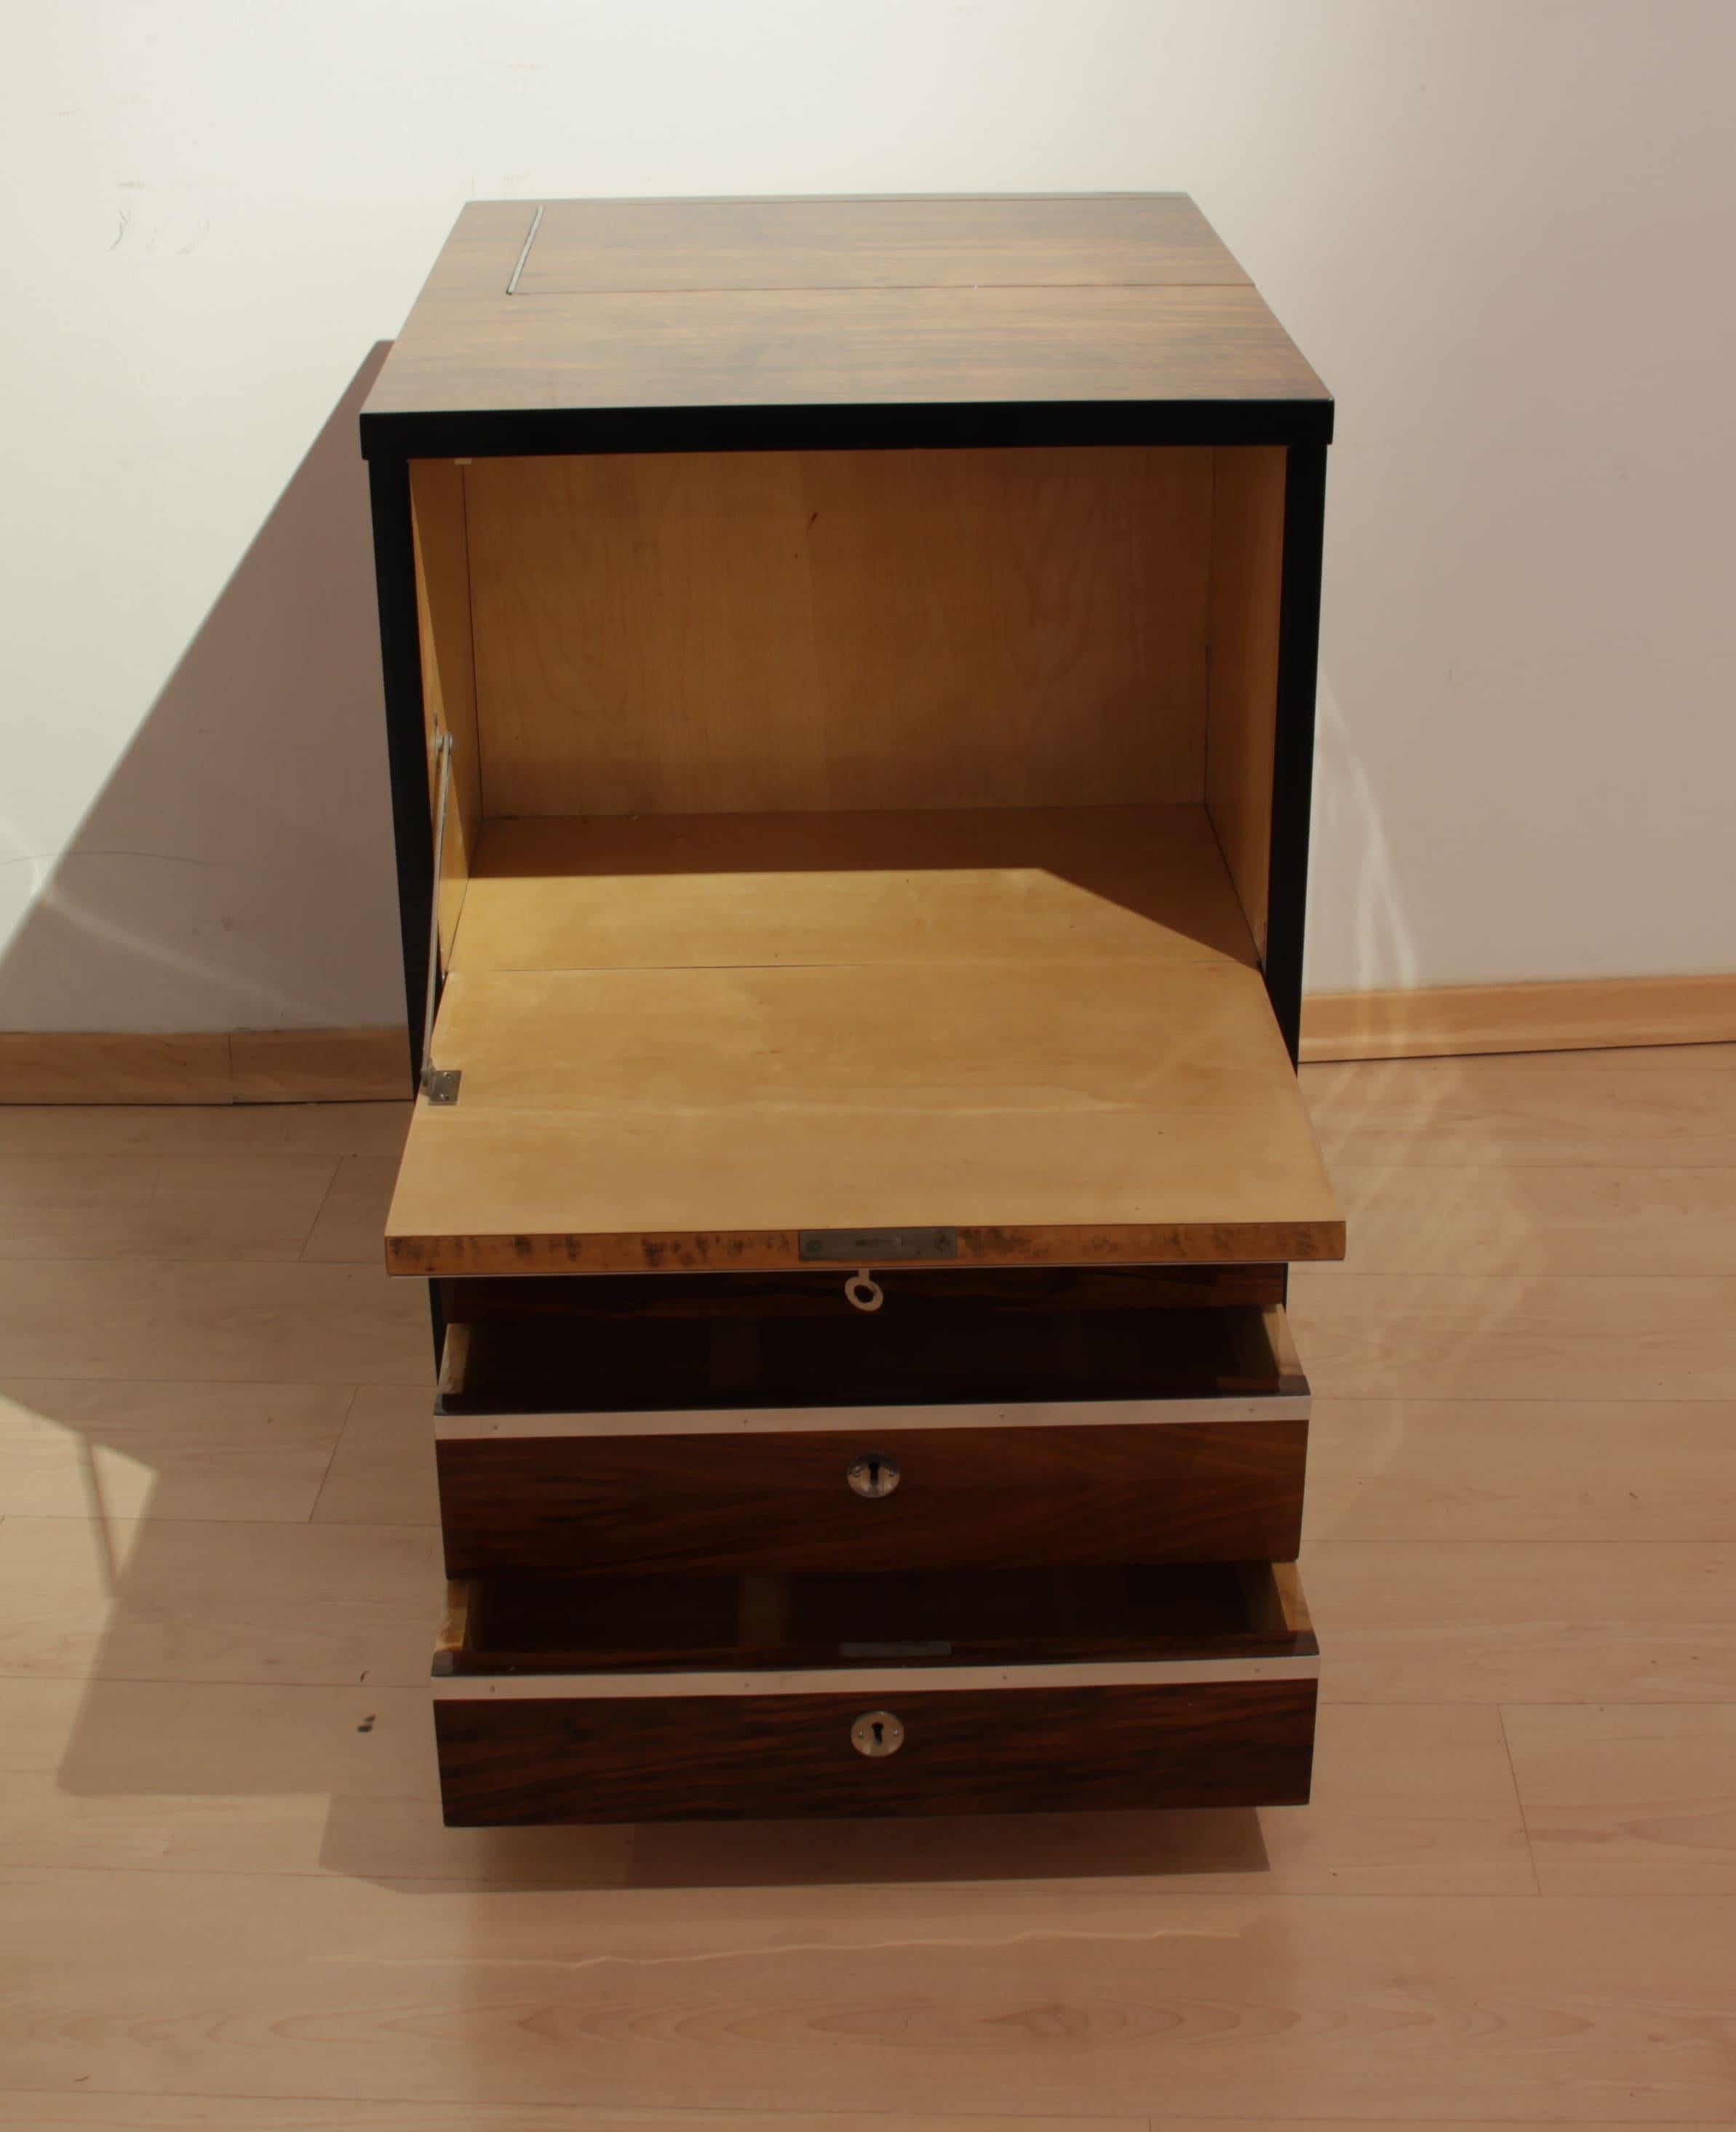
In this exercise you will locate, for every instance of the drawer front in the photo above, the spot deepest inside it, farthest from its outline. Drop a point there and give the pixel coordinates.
(875, 1493)
(922, 1434)
(623, 1698)
(563, 1758)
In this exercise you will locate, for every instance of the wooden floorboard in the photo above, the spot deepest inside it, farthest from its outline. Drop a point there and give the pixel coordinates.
(1630, 1109)
(1548, 1621)
(227, 1901)
(51, 2112)
(1629, 1798)
(156, 1599)
(120, 1448)
(263, 1129)
(1533, 1469)
(1486, 1218)
(1007, 1996)
(213, 1321)
(1515, 1336)
(41, 2111)
(338, 1778)
(161, 1206)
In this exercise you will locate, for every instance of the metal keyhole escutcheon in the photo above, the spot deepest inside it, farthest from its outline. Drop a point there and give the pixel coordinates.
(874, 1474)
(877, 1732)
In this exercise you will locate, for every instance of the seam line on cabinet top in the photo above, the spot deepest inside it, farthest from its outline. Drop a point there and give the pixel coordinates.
(839, 288)
(536, 223)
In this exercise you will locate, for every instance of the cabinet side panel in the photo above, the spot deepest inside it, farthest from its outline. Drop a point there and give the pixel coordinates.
(1247, 568)
(448, 676)
(736, 632)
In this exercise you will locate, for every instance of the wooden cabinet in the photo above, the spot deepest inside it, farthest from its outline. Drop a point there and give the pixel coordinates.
(849, 672)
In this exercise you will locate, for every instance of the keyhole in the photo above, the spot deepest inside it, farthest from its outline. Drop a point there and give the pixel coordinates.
(877, 1732)
(873, 1474)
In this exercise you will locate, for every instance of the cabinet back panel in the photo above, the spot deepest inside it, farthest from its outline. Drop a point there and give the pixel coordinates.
(739, 632)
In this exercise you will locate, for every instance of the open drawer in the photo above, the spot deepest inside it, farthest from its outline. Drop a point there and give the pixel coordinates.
(971, 1437)
(606, 1698)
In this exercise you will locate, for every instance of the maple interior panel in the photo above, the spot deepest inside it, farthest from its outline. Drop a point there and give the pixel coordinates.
(652, 1119)
(442, 562)
(1110, 884)
(843, 840)
(756, 632)
(1241, 731)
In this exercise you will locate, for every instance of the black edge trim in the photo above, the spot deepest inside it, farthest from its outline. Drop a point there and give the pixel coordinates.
(401, 661)
(1292, 782)
(507, 434)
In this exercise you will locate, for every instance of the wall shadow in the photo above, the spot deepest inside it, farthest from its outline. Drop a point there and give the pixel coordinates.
(235, 871)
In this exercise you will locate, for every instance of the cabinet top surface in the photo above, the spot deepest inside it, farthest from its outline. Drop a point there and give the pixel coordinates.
(615, 309)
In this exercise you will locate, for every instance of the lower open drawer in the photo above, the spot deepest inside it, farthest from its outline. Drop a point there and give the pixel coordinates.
(608, 1699)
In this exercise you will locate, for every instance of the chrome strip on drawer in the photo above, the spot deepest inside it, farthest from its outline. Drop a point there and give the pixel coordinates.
(737, 1420)
(869, 1680)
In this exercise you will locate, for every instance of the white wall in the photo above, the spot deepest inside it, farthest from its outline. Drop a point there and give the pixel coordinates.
(1499, 228)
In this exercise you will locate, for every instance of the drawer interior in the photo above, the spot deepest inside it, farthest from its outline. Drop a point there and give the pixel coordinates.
(890, 1357)
(760, 1624)
(927, 1290)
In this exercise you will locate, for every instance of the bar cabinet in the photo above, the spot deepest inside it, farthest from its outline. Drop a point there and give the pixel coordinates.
(850, 672)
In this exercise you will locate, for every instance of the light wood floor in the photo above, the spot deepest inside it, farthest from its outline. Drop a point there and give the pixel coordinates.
(226, 1899)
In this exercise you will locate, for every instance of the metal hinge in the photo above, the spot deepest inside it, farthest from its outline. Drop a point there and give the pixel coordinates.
(439, 1084)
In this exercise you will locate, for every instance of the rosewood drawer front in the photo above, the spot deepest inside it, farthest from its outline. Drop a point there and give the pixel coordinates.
(984, 1439)
(613, 1699)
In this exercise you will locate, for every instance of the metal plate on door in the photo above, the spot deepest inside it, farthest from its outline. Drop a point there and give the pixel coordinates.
(863, 1248)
